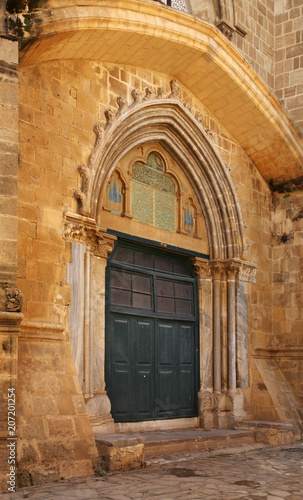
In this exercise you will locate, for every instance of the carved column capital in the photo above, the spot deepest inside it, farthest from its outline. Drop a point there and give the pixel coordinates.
(201, 267)
(85, 231)
(103, 245)
(217, 267)
(232, 267)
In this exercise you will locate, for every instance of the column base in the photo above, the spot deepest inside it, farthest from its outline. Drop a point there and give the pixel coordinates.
(99, 412)
(220, 411)
(206, 409)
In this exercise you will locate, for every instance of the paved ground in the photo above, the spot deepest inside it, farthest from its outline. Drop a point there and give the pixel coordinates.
(264, 474)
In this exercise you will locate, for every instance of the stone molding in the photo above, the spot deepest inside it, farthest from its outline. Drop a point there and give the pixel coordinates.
(37, 331)
(172, 124)
(283, 352)
(234, 269)
(84, 230)
(88, 172)
(10, 322)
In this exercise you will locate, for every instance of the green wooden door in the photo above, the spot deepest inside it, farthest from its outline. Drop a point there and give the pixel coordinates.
(151, 339)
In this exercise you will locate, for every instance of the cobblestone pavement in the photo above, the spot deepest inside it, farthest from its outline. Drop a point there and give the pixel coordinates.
(267, 473)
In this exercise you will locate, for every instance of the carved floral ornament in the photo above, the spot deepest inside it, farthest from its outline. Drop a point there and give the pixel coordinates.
(78, 230)
(234, 269)
(14, 299)
(112, 116)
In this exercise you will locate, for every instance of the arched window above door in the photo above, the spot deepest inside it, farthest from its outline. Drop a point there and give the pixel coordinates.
(149, 195)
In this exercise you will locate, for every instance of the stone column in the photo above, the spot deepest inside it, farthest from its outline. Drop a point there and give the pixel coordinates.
(98, 404)
(232, 270)
(216, 269)
(82, 231)
(205, 396)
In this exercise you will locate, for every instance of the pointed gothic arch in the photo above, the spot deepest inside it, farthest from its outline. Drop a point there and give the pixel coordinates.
(170, 124)
(172, 127)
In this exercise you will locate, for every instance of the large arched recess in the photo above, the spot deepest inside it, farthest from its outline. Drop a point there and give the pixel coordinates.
(169, 123)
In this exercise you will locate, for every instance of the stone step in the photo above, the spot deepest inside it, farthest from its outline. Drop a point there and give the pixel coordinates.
(123, 451)
(128, 451)
(187, 440)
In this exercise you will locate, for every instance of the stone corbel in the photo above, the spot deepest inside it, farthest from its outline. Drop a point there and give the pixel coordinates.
(225, 28)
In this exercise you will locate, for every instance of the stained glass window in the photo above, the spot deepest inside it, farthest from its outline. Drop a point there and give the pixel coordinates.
(114, 194)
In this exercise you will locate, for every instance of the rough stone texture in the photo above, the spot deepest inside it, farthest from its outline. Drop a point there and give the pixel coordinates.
(9, 322)
(121, 457)
(60, 102)
(55, 438)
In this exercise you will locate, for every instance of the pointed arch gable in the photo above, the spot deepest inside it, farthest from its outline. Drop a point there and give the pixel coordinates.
(170, 124)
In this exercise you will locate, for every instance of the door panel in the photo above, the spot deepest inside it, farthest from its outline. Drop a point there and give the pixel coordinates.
(151, 338)
(143, 356)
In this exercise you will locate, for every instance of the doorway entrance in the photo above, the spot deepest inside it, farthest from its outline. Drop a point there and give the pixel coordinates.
(152, 335)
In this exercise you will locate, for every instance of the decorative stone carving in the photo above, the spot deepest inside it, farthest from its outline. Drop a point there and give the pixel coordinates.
(187, 105)
(99, 131)
(201, 268)
(175, 89)
(84, 207)
(199, 117)
(217, 268)
(232, 268)
(247, 272)
(122, 105)
(14, 299)
(85, 173)
(102, 247)
(161, 94)
(136, 95)
(109, 115)
(100, 243)
(206, 401)
(149, 93)
(74, 232)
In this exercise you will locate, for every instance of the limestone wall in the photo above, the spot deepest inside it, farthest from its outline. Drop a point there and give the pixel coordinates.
(258, 45)
(289, 57)
(56, 134)
(273, 45)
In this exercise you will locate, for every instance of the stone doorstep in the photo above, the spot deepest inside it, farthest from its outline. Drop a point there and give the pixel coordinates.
(126, 451)
(195, 441)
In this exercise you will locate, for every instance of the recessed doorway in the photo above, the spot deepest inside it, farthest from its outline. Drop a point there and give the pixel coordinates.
(151, 335)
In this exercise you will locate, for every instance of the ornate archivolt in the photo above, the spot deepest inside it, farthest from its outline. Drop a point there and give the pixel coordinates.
(165, 119)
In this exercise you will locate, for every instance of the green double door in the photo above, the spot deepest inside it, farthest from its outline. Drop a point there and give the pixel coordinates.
(151, 339)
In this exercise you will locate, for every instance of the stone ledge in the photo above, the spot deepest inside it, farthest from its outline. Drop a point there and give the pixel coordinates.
(270, 433)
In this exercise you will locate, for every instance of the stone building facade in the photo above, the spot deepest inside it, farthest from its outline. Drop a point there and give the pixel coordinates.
(151, 214)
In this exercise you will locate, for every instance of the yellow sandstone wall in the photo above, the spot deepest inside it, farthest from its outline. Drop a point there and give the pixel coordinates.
(60, 102)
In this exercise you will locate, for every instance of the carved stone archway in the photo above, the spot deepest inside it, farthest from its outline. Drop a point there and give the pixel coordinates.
(222, 301)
